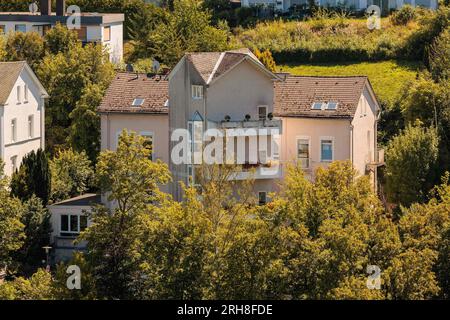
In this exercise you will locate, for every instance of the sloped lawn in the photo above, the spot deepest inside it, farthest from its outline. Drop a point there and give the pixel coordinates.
(388, 78)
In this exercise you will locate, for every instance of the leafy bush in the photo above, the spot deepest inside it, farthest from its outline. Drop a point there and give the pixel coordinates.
(403, 16)
(334, 39)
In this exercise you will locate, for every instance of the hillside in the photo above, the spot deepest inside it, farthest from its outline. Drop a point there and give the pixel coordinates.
(388, 78)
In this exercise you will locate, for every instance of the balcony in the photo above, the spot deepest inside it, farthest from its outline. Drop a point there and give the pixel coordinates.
(379, 162)
(258, 171)
(257, 124)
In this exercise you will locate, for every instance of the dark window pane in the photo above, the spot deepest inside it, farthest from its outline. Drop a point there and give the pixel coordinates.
(64, 222)
(262, 198)
(83, 223)
(74, 223)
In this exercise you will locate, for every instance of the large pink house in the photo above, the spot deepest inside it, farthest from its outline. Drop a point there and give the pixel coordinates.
(319, 119)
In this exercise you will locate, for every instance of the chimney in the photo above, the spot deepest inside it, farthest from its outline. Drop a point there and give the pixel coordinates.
(60, 7)
(46, 7)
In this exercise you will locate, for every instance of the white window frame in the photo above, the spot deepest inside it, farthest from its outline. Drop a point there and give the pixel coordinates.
(18, 25)
(152, 135)
(324, 138)
(197, 92)
(317, 102)
(308, 138)
(334, 102)
(14, 130)
(110, 33)
(135, 104)
(69, 231)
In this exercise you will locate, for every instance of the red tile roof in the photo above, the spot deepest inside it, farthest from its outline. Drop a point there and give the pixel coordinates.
(292, 97)
(215, 64)
(126, 87)
(295, 96)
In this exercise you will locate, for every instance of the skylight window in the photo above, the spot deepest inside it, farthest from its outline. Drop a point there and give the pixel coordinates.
(332, 105)
(317, 106)
(138, 102)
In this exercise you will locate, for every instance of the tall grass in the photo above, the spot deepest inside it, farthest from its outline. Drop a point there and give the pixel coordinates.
(325, 39)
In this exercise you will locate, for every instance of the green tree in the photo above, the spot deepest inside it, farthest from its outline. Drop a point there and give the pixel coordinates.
(27, 46)
(411, 158)
(11, 228)
(266, 59)
(59, 39)
(85, 122)
(72, 174)
(439, 56)
(188, 29)
(66, 77)
(130, 179)
(36, 220)
(425, 227)
(3, 54)
(33, 177)
(328, 231)
(87, 291)
(38, 287)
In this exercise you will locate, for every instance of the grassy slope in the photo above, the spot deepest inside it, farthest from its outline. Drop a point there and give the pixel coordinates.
(387, 77)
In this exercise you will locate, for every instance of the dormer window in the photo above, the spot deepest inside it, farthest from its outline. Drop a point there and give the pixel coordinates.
(324, 105)
(317, 106)
(332, 105)
(197, 92)
(138, 102)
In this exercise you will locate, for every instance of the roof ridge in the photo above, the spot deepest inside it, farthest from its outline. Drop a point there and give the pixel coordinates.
(309, 76)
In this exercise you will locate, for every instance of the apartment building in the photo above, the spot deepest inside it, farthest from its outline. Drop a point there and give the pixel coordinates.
(22, 113)
(316, 120)
(285, 5)
(102, 28)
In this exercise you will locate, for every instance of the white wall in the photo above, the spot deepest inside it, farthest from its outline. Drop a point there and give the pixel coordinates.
(364, 135)
(115, 45)
(20, 112)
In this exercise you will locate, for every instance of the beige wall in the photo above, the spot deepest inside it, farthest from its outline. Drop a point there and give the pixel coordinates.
(158, 125)
(238, 93)
(364, 133)
(313, 129)
(21, 110)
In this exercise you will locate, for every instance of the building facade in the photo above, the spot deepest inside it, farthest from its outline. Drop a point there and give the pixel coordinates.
(22, 113)
(357, 5)
(316, 121)
(102, 28)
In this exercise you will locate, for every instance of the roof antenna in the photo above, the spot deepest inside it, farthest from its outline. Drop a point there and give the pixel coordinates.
(129, 68)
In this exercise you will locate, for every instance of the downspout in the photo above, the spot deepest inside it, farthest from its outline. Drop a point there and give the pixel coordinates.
(2, 135)
(42, 124)
(351, 143)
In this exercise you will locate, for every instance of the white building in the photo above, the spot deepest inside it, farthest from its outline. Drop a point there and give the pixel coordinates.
(22, 101)
(104, 28)
(284, 5)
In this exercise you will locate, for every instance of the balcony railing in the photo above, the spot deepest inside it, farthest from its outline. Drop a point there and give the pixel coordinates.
(274, 123)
